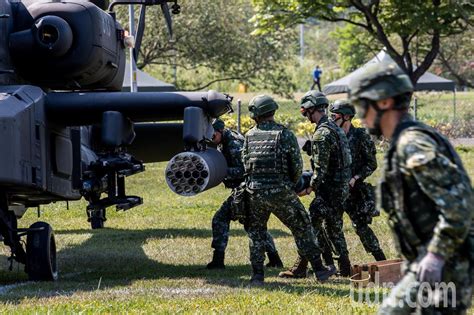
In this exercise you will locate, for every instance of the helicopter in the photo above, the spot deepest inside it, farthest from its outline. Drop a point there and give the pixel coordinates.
(69, 133)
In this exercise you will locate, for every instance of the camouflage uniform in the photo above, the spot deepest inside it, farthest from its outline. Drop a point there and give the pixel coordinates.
(231, 148)
(432, 212)
(273, 164)
(331, 165)
(360, 205)
(427, 195)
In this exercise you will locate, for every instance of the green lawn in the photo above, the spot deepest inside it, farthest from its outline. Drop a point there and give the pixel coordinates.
(431, 105)
(435, 109)
(151, 258)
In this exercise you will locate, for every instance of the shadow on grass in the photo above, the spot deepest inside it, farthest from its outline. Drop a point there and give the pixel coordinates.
(116, 258)
(174, 232)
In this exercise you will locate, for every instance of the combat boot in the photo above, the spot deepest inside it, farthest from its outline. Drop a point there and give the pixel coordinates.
(217, 260)
(379, 255)
(344, 266)
(299, 269)
(320, 272)
(332, 268)
(274, 260)
(328, 259)
(258, 275)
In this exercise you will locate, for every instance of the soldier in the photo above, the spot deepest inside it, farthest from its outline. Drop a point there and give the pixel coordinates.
(427, 195)
(331, 160)
(230, 144)
(273, 165)
(360, 205)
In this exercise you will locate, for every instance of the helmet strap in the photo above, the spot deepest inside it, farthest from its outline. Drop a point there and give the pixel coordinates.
(376, 130)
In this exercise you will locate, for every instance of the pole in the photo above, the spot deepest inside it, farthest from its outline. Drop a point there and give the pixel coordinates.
(454, 104)
(415, 108)
(239, 112)
(133, 65)
(301, 43)
(175, 68)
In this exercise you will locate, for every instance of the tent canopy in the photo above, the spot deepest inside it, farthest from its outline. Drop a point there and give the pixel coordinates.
(145, 82)
(427, 82)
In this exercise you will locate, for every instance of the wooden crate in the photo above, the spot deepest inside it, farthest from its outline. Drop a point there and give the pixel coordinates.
(378, 273)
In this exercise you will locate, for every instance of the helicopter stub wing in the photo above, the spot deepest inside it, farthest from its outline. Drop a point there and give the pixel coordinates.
(76, 109)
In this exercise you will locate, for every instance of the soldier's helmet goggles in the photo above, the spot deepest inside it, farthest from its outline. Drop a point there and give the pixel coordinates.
(362, 105)
(335, 116)
(307, 112)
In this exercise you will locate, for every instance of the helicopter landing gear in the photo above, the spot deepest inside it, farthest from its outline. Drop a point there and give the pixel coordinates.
(40, 255)
(97, 218)
(41, 264)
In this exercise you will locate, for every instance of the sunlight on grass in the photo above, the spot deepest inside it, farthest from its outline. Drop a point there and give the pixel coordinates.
(151, 260)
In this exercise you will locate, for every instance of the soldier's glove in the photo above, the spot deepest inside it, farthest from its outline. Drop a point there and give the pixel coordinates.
(307, 147)
(353, 181)
(430, 268)
(305, 192)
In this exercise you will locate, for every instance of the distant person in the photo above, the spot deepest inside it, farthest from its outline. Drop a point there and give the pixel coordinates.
(317, 78)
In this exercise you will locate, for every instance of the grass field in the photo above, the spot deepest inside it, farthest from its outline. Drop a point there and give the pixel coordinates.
(431, 105)
(434, 109)
(151, 260)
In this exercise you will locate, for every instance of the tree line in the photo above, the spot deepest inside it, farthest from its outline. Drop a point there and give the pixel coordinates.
(255, 42)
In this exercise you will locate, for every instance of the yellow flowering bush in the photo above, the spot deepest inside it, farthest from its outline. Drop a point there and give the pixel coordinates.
(229, 121)
(356, 122)
(246, 123)
(304, 129)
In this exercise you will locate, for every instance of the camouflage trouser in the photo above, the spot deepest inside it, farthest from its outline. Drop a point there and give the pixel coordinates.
(361, 220)
(410, 296)
(326, 213)
(287, 207)
(221, 225)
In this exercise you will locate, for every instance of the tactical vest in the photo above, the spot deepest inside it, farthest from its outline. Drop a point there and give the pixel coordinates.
(340, 167)
(391, 197)
(266, 166)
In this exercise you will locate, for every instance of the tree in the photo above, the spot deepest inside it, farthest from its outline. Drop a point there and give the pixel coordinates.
(212, 43)
(354, 46)
(391, 22)
(456, 58)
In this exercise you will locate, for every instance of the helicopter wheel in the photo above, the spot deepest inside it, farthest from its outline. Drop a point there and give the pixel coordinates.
(41, 262)
(97, 219)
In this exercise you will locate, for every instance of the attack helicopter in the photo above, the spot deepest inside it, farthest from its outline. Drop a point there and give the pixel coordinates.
(66, 130)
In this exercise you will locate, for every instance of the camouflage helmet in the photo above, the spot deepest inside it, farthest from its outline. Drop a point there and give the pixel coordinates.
(314, 99)
(380, 81)
(218, 124)
(343, 107)
(261, 105)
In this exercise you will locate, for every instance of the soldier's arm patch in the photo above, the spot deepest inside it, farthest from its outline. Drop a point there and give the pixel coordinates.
(318, 137)
(420, 159)
(321, 134)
